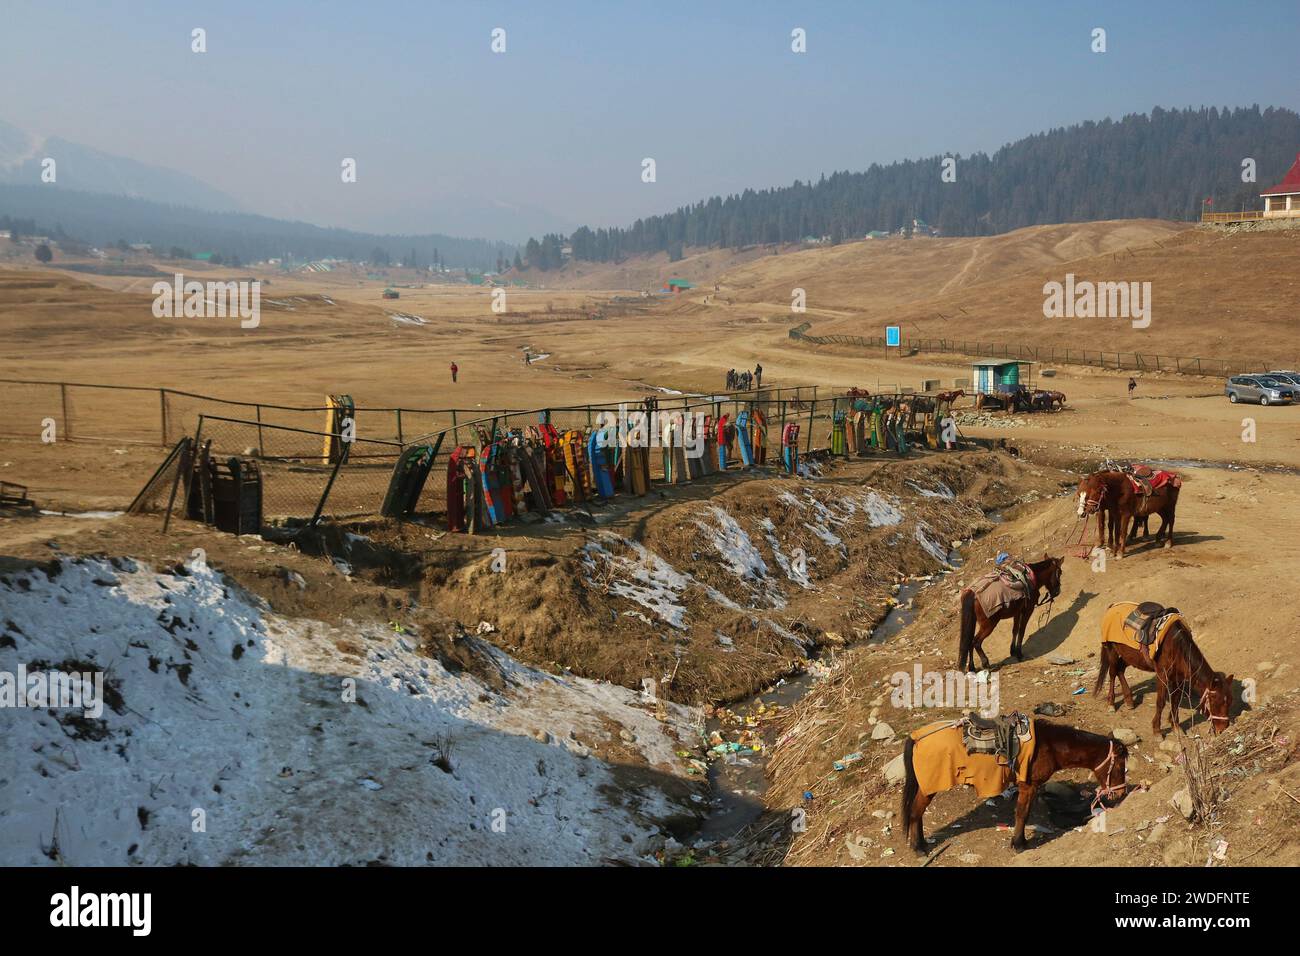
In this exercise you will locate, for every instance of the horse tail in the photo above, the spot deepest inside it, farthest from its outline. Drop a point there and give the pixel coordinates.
(1104, 668)
(965, 647)
(910, 786)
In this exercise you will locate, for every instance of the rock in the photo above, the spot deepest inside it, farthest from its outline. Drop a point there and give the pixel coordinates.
(1182, 802)
(882, 731)
(894, 770)
(289, 576)
(1265, 666)
(1060, 659)
(542, 736)
(1061, 789)
(1125, 735)
(1282, 669)
(969, 857)
(1170, 745)
(627, 736)
(1157, 833)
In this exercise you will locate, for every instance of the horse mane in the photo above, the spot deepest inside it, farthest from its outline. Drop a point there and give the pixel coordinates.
(1059, 730)
(1200, 672)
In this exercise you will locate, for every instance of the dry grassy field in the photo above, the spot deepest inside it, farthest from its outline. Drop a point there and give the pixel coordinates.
(595, 338)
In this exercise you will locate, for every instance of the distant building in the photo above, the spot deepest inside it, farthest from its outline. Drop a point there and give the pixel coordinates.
(677, 285)
(141, 247)
(1280, 202)
(1283, 200)
(997, 376)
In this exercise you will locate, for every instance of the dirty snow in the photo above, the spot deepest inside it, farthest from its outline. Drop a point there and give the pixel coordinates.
(235, 716)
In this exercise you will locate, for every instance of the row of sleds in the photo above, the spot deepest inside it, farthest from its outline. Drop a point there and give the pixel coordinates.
(538, 468)
(881, 423)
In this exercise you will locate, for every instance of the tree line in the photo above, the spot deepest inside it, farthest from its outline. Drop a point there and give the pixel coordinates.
(1161, 165)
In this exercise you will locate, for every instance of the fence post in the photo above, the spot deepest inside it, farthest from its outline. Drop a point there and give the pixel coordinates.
(812, 410)
(400, 440)
(67, 422)
(455, 429)
(162, 408)
(261, 442)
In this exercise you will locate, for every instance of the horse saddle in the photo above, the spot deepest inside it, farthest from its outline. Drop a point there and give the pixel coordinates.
(1146, 619)
(1000, 736)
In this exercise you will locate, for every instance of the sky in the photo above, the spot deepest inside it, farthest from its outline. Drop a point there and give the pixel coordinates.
(451, 137)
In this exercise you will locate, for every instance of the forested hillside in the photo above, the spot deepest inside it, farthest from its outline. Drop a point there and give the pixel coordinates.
(1158, 166)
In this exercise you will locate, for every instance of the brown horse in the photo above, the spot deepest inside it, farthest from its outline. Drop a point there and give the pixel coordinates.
(1182, 675)
(976, 625)
(1056, 747)
(1111, 493)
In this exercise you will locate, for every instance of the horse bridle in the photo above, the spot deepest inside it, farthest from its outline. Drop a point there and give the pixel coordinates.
(1092, 505)
(1204, 707)
(1106, 789)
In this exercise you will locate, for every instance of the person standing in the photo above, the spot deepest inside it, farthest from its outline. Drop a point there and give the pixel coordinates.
(454, 369)
(758, 375)
(1132, 384)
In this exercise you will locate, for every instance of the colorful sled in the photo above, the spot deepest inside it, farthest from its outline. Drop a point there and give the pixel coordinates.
(575, 464)
(409, 475)
(742, 439)
(758, 437)
(723, 432)
(598, 458)
(790, 449)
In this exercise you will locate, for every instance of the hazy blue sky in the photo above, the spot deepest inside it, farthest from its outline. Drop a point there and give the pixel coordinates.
(441, 126)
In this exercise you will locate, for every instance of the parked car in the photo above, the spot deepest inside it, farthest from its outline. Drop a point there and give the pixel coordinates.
(1286, 378)
(1261, 389)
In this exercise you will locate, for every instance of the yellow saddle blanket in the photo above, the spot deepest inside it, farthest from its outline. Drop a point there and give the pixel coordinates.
(1113, 630)
(940, 761)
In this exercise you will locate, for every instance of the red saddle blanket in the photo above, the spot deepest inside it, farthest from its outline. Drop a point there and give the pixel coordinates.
(1145, 480)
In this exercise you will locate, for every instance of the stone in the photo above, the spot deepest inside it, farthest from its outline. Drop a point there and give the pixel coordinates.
(882, 731)
(1060, 659)
(894, 771)
(1265, 666)
(969, 857)
(1125, 735)
(1182, 802)
(1157, 833)
(1170, 745)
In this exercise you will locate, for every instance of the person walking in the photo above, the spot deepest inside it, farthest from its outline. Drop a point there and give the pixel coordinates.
(454, 369)
(1132, 384)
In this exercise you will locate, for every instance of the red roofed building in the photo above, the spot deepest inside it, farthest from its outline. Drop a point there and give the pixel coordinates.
(1283, 200)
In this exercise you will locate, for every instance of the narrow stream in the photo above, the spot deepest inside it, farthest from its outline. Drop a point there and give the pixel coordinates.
(737, 771)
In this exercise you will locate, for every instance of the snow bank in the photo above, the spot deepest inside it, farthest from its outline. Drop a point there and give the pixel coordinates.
(234, 741)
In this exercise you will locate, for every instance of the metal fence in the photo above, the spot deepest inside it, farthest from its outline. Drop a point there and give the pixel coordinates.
(133, 414)
(1120, 361)
(297, 474)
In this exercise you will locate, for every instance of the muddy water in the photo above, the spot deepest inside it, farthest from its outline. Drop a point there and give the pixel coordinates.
(738, 778)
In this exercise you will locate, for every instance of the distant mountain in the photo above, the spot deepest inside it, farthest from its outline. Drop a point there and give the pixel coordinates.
(1157, 166)
(84, 169)
(103, 220)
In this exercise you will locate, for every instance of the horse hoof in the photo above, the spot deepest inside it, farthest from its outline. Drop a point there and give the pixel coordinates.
(1019, 847)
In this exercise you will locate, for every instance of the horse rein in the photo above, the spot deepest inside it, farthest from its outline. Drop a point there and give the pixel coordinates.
(1106, 789)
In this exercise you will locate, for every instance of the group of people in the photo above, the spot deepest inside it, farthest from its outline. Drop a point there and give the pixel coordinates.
(743, 381)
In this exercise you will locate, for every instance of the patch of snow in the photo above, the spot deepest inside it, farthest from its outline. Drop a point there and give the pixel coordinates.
(239, 716)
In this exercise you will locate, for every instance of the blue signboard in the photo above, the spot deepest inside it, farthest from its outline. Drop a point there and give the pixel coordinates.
(892, 337)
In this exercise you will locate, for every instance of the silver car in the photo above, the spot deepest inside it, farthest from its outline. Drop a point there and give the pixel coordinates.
(1259, 388)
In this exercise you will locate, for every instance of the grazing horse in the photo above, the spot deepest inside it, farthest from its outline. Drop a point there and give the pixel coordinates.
(1056, 747)
(1182, 672)
(976, 625)
(1112, 493)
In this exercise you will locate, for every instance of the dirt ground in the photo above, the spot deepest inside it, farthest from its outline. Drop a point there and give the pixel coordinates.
(332, 333)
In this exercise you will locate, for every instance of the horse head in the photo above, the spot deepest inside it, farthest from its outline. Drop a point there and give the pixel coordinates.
(1092, 490)
(1050, 575)
(1216, 701)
